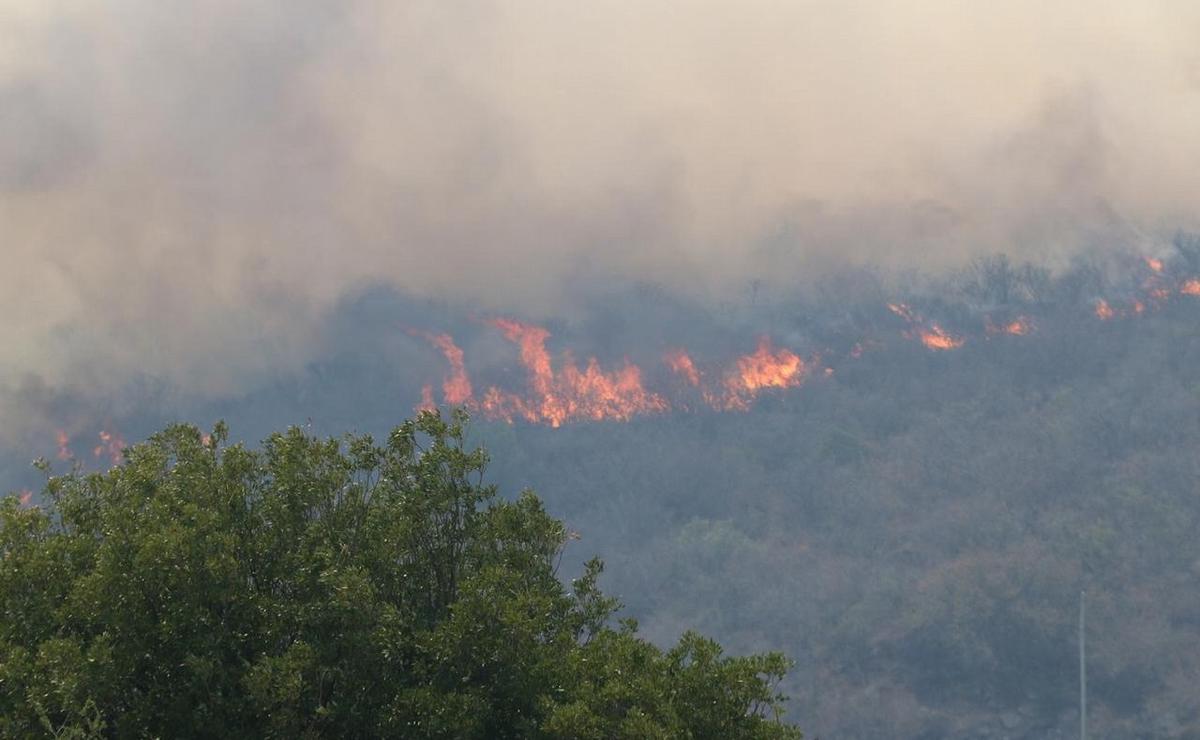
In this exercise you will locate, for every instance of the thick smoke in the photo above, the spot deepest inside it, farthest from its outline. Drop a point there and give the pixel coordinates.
(189, 188)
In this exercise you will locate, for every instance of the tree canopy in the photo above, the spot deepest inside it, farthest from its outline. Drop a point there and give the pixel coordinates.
(332, 588)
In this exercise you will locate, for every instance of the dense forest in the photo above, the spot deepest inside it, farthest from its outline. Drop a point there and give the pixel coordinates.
(913, 527)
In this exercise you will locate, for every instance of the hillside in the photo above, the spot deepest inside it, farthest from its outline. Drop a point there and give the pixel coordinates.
(913, 524)
(915, 528)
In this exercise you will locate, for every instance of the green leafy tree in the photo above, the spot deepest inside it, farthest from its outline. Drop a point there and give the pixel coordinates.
(317, 588)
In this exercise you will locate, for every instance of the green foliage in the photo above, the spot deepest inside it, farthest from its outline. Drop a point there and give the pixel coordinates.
(316, 588)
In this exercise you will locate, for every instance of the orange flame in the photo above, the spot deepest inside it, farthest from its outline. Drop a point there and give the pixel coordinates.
(110, 446)
(1019, 326)
(902, 311)
(935, 337)
(111, 443)
(764, 368)
(532, 342)
(456, 388)
(427, 403)
(1154, 264)
(681, 364)
(767, 369)
(573, 393)
(64, 445)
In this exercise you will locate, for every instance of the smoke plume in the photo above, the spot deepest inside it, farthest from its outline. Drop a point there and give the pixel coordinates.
(189, 188)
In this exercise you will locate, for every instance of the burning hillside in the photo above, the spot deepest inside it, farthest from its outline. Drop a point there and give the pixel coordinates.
(549, 382)
(786, 441)
(560, 390)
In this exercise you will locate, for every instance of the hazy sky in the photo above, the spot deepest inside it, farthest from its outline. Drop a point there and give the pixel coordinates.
(187, 187)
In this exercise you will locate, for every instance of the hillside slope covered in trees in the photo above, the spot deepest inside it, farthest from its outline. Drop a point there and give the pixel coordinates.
(916, 528)
(913, 527)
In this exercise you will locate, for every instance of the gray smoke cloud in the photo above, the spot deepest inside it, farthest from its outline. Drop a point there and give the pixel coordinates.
(186, 188)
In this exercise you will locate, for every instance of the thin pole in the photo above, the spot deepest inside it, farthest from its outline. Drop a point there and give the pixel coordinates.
(1082, 667)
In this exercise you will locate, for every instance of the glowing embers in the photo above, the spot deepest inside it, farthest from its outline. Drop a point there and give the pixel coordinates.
(1018, 327)
(931, 334)
(1160, 285)
(935, 337)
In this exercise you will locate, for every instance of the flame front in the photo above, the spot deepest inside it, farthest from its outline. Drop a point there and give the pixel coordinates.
(456, 388)
(766, 368)
(560, 392)
(749, 375)
(932, 335)
(935, 337)
(575, 391)
(572, 393)
(532, 343)
(681, 364)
